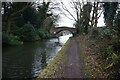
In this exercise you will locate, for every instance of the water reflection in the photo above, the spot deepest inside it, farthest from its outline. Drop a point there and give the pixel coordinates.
(44, 55)
(43, 59)
(29, 60)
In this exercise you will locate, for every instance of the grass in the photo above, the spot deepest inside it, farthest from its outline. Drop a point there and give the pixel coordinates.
(82, 41)
(54, 69)
(93, 63)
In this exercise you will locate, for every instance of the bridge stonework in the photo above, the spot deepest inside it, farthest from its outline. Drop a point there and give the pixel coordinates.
(57, 30)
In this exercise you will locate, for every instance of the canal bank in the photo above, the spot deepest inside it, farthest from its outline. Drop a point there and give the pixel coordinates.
(55, 68)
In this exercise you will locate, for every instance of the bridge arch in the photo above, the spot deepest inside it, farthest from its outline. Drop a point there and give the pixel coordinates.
(57, 30)
(64, 32)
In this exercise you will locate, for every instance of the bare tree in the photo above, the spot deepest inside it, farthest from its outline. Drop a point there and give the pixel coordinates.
(76, 7)
(96, 13)
(81, 13)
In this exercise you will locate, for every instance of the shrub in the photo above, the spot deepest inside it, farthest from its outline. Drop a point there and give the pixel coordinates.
(10, 39)
(113, 58)
(43, 34)
(108, 32)
(94, 33)
(29, 33)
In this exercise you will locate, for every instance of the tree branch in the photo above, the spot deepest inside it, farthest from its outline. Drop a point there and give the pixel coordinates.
(100, 14)
(65, 8)
(15, 13)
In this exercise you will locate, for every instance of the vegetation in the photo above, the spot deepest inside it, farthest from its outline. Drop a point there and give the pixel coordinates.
(101, 46)
(26, 21)
(10, 39)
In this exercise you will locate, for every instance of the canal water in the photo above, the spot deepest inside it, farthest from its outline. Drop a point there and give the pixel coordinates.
(29, 60)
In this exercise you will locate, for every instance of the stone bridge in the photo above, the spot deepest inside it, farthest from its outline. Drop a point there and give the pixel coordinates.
(57, 30)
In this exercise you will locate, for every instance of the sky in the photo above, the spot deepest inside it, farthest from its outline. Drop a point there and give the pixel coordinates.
(65, 21)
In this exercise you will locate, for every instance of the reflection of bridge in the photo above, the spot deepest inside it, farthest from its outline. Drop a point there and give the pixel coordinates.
(57, 30)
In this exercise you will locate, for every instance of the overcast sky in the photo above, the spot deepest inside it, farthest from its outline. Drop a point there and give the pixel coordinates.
(64, 21)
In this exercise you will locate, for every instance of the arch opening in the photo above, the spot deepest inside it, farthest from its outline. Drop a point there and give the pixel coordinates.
(66, 30)
(64, 33)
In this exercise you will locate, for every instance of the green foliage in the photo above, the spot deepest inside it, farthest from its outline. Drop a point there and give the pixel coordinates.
(17, 15)
(30, 14)
(109, 50)
(86, 17)
(94, 33)
(4, 26)
(43, 34)
(115, 61)
(42, 13)
(29, 33)
(112, 49)
(10, 39)
(11, 8)
(86, 29)
(113, 56)
(17, 31)
(19, 21)
(112, 33)
(109, 12)
(117, 20)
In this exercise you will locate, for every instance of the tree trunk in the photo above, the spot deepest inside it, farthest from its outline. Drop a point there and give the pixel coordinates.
(96, 15)
(9, 25)
(94, 20)
(93, 17)
(78, 22)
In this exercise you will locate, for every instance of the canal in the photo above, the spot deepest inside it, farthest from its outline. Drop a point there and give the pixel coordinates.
(29, 60)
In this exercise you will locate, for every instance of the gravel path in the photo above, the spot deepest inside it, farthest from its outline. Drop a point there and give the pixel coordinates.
(74, 66)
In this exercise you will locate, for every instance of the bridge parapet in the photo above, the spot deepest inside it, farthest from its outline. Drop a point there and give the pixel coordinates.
(59, 29)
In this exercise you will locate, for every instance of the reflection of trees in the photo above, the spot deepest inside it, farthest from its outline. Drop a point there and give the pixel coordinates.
(58, 43)
(66, 32)
(63, 33)
(43, 60)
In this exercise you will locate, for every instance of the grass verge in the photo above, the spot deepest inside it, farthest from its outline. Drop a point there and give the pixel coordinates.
(54, 69)
(93, 63)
